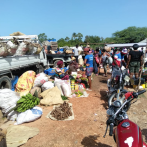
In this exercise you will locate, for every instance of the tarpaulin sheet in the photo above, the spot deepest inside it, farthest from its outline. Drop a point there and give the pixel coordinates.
(51, 71)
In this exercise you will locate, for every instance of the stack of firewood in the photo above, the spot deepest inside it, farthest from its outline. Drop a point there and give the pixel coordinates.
(62, 112)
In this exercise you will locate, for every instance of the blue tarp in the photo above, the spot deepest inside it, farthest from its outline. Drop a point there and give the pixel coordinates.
(51, 71)
(14, 82)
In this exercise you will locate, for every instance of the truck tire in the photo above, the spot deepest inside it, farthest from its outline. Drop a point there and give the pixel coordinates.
(55, 63)
(5, 82)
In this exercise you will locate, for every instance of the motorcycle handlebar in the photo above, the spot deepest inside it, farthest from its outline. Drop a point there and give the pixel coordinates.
(141, 92)
(111, 129)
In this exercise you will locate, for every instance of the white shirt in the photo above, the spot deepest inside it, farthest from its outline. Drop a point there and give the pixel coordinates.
(75, 51)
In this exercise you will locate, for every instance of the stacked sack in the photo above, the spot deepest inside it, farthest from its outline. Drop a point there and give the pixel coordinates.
(15, 48)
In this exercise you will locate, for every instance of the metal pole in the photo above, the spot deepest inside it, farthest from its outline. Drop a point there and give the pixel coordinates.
(142, 68)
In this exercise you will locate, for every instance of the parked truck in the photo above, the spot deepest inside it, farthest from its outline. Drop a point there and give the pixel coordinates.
(16, 65)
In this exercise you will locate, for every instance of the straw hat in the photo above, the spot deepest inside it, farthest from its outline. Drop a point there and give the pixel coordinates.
(88, 46)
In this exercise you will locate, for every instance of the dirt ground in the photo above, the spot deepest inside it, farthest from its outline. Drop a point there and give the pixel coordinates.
(88, 127)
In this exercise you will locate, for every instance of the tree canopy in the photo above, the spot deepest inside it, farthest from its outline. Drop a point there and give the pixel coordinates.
(129, 35)
(42, 37)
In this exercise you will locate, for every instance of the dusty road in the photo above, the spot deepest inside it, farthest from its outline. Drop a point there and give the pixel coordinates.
(88, 127)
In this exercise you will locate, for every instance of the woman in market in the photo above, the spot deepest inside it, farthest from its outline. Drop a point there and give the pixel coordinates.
(135, 61)
(97, 59)
(104, 61)
(73, 66)
(60, 73)
(89, 66)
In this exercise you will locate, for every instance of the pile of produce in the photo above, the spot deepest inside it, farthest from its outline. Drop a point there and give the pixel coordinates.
(27, 102)
(79, 93)
(24, 103)
(62, 112)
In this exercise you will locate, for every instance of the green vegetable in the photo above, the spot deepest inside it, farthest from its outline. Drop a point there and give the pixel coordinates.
(64, 97)
(26, 102)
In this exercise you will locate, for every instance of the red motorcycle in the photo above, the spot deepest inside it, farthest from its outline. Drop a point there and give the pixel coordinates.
(125, 132)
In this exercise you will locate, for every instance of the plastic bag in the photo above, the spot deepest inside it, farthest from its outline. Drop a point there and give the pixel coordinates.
(47, 85)
(25, 82)
(110, 60)
(40, 79)
(29, 115)
(12, 115)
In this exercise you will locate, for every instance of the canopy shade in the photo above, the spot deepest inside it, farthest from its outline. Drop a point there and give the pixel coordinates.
(127, 45)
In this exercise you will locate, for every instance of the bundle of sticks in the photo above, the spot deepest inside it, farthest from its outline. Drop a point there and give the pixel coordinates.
(62, 112)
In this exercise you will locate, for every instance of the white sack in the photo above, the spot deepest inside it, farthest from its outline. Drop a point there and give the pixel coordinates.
(8, 100)
(22, 49)
(40, 79)
(47, 85)
(29, 115)
(59, 86)
(65, 86)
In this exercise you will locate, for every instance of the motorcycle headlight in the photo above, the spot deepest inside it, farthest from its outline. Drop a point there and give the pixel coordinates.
(110, 111)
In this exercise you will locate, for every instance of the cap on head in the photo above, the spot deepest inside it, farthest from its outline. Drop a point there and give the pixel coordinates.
(135, 46)
(124, 51)
(59, 62)
(88, 46)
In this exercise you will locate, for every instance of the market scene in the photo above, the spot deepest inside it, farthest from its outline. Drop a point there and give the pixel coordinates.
(73, 92)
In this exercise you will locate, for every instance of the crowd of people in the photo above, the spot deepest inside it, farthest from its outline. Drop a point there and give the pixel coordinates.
(114, 58)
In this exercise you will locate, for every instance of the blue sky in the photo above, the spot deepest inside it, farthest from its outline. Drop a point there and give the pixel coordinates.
(60, 18)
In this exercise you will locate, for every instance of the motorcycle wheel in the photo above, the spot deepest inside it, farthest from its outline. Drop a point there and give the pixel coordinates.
(113, 98)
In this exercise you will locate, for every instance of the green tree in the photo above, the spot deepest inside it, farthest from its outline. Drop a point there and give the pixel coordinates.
(130, 35)
(67, 39)
(109, 40)
(74, 35)
(42, 37)
(80, 36)
(92, 39)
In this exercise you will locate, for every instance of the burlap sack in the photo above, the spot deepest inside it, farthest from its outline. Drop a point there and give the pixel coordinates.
(18, 135)
(51, 97)
(108, 49)
(69, 51)
(32, 91)
(17, 34)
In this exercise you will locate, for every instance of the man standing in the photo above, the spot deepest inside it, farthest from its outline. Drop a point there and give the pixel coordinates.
(76, 53)
(89, 65)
